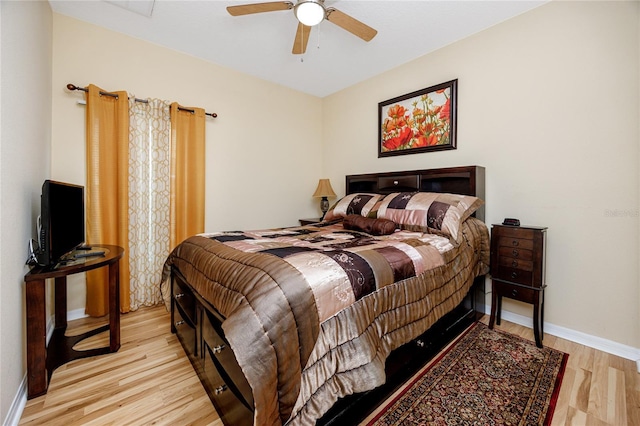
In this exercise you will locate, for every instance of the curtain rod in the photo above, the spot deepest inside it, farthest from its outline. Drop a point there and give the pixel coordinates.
(84, 89)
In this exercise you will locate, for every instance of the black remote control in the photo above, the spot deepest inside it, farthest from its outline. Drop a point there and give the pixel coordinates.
(89, 254)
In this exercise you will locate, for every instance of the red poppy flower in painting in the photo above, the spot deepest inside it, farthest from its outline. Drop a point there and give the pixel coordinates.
(445, 111)
(421, 141)
(397, 111)
(397, 142)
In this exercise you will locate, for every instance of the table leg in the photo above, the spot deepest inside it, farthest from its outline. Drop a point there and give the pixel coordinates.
(537, 326)
(114, 307)
(542, 313)
(60, 296)
(36, 339)
(494, 303)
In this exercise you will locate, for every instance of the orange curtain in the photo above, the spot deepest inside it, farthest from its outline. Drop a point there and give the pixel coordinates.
(107, 153)
(187, 173)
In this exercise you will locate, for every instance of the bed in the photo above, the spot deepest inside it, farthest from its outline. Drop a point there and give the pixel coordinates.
(281, 324)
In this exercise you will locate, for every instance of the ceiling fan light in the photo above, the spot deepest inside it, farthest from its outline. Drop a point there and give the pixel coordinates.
(309, 12)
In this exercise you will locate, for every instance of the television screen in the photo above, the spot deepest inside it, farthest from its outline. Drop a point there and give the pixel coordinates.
(61, 220)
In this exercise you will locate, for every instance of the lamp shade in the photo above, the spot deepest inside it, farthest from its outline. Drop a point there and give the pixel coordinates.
(324, 189)
(309, 12)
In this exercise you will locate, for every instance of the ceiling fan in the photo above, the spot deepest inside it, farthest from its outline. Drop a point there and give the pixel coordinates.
(308, 13)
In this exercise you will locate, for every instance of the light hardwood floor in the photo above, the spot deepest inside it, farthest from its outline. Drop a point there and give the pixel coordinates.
(148, 381)
(151, 381)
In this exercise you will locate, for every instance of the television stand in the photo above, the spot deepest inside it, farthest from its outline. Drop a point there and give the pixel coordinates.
(43, 360)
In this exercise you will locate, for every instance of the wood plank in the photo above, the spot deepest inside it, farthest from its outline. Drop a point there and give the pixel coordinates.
(598, 394)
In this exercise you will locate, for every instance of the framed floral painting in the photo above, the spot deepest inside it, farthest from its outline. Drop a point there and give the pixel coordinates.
(421, 121)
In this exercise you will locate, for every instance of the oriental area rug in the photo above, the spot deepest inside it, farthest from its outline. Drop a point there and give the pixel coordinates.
(487, 377)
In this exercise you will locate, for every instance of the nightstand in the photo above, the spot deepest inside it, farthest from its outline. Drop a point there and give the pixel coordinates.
(309, 221)
(518, 271)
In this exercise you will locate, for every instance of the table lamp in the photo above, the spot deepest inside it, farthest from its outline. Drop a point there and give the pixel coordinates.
(324, 190)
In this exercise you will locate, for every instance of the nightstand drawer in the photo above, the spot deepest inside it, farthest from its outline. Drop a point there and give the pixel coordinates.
(516, 232)
(515, 252)
(511, 262)
(523, 294)
(515, 243)
(513, 275)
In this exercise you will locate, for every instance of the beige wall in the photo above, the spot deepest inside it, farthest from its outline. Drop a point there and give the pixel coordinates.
(549, 103)
(25, 135)
(263, 151)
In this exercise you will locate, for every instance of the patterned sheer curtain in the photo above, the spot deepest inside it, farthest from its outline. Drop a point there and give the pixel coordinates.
(149, 197)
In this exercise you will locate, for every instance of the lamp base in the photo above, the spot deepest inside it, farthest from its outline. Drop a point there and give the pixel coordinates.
(324, 205)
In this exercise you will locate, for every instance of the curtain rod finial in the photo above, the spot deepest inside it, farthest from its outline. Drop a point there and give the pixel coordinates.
(72, 86)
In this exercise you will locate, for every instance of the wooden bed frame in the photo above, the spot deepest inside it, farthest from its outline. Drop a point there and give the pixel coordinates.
(198, 324)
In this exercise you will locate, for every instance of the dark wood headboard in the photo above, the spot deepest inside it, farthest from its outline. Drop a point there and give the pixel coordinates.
(466, 180)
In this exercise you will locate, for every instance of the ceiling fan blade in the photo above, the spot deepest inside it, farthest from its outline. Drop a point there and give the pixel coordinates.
(350, 24)
(247, 9)
(302, 38)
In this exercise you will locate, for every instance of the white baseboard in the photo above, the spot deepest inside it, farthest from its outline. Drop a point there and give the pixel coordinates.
(17, 406)
(595, 342)
(76, 314)
(20, 400)
(71, 315)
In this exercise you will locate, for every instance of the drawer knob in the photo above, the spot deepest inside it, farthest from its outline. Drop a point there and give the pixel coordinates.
(220, 389)
(179, 323)
(514, 263)
(514, 275)
(179, 295)
(420, 343)
(218, 349)
(514, 292)
(514, 242)
(515, 252)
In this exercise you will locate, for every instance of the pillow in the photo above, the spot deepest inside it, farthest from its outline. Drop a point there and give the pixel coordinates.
(369, 225)
(429, 211)
(360, 203)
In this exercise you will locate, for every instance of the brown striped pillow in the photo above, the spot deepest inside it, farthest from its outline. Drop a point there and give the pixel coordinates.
(360, 203)
(431, 212)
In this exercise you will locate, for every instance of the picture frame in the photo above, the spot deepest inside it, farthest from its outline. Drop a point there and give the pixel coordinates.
(420, 121)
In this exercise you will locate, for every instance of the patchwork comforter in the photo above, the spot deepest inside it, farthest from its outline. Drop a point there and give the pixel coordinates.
(313, 312)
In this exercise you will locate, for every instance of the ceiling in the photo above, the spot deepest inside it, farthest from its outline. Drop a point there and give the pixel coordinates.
(260, 44)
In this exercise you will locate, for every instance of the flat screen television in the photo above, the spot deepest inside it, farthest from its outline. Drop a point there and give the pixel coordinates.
(61, 227)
